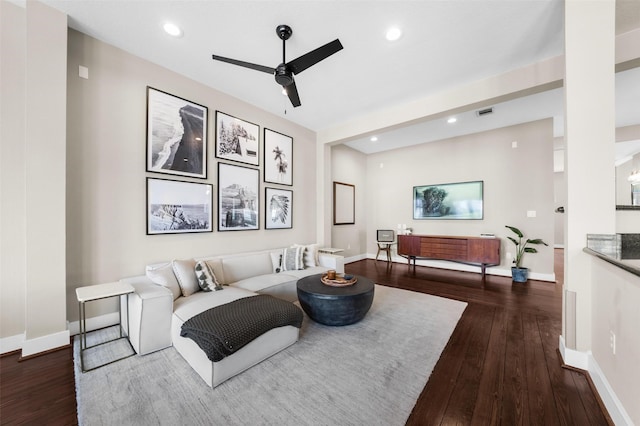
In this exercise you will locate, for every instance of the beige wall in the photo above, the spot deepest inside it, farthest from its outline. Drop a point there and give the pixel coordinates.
(33, 185)
(106, 238)
(516, 180)
(12, 171)
(350, 166)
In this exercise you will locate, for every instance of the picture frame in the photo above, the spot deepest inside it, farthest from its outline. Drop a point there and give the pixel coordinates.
(237, 140)
(278, 158)
(344, 203)
(460, 200)
(176, 135)
(238, 198)
(176, 207)
(278, 205)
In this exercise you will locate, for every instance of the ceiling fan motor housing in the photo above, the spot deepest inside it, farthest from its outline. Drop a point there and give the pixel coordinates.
(283, 75)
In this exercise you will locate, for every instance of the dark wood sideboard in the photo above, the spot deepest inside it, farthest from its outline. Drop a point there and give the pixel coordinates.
(469, 250)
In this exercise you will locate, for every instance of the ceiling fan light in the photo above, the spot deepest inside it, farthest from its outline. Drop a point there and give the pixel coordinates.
(393, 33)
(172, 29)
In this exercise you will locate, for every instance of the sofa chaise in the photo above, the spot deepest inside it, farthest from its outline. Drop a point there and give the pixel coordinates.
(170, 294)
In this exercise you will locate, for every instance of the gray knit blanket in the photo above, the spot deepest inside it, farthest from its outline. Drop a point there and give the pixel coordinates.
(225, 329)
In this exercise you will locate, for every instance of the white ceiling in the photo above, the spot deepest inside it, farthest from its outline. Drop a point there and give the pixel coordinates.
(444, 44)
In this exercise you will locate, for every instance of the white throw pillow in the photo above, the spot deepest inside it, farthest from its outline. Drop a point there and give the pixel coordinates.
(206, 278)
(292, 259)
(163, 275)
(310, 254)
(276, 261)
(185, 271)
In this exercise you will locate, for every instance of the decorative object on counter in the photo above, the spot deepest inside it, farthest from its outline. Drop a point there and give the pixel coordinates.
(462, 200)
(176, 135)
(518, 273)
(334, 280)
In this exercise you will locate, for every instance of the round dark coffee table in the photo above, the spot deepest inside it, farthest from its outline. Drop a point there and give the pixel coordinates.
(335, 305)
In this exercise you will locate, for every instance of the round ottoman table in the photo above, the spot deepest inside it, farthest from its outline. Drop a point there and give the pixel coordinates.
(335, 305)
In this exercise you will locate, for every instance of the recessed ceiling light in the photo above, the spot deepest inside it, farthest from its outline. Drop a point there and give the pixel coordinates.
(452, 120)
(172, 29)
(393, 33)
(373, 139)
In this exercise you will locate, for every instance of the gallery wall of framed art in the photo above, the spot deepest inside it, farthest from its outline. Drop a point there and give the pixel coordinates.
(177, 145)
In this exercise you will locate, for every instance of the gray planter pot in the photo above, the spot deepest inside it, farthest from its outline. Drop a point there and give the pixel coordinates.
(520, 275)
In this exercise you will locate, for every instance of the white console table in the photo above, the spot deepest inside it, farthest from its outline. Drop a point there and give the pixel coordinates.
(97, 292)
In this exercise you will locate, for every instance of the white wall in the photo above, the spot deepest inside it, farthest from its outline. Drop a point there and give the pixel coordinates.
(618, 296)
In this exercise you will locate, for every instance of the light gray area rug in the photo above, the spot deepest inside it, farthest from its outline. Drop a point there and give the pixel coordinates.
(368, 373)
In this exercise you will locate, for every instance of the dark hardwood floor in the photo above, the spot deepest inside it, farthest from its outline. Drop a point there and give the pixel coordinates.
(500, 367)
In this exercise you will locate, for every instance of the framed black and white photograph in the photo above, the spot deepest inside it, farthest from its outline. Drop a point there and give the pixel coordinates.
(278, 158)
(344, 203)
(460, 200)
(176, 135)
(238, 199)
(236, 139)
(175, 207)
(278, 208)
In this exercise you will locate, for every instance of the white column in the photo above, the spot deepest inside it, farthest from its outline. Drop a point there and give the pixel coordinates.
(45, 178)
(589, 138)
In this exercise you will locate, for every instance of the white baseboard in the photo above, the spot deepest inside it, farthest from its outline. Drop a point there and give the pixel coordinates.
(56, 340)
(558, 246)
(45, 343)
(95, 323)
(586, 361)
(11, 343)
(355, 258)
(454, 266)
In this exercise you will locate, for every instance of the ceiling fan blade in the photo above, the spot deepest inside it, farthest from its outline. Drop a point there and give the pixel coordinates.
(244, 64)
(308, 59)
(292, 92)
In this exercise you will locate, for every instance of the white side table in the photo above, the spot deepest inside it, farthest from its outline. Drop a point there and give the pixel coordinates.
(330, 250)
(97, 292)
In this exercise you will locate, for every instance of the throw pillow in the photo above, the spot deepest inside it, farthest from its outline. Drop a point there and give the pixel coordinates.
(310, 254)
(185, 271)
(163, 275)
(292, 258)
(206, 278)
(276, 261)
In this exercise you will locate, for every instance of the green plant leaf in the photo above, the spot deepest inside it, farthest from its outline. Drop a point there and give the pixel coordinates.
(515, 230)
(514, 241)
(530, 250)
(537, 241)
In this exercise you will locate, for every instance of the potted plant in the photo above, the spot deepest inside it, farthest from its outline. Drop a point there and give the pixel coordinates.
(518, 273)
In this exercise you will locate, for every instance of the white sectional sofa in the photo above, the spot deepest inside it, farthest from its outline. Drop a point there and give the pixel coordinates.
(165, 298)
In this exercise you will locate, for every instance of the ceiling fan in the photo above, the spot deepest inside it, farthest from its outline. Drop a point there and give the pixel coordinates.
(285, 71)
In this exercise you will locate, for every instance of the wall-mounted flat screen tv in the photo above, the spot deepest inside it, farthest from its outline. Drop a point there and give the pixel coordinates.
(462, 200)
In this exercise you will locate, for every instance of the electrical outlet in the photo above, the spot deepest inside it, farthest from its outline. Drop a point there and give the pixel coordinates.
(508, 256)
(612, 341)
(348, 246)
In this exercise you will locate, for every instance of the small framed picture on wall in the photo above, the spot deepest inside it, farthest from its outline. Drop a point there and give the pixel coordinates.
(278, 158)
(236, 139)
(238, 198)
(278, 208)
